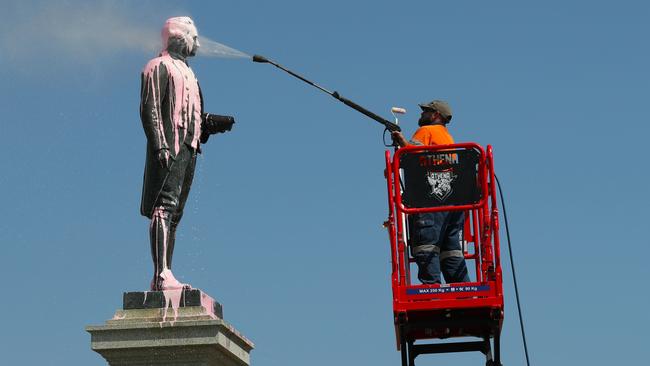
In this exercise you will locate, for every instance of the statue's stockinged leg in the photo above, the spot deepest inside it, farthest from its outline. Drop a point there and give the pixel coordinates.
(162, 233)
(172, 241)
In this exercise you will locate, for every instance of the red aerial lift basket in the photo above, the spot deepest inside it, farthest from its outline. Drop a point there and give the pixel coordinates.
(458, 177)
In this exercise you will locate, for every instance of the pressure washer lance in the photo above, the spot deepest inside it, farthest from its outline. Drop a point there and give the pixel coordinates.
(388, 124)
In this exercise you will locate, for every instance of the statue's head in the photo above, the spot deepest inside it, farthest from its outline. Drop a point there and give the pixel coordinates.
(180, 37)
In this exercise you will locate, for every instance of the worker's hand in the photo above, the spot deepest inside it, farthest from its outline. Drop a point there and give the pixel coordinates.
(164, 158)
(399, 138)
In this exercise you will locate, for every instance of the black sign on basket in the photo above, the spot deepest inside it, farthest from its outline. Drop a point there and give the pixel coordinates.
(440, 178)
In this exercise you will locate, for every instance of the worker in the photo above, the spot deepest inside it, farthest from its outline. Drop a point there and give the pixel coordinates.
(435, 236)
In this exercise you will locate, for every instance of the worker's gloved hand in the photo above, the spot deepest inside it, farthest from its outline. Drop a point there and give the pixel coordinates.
(214, 123)
(399, 138)
(164, 158)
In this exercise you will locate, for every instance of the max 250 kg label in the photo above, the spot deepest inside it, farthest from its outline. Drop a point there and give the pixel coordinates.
(446, 289)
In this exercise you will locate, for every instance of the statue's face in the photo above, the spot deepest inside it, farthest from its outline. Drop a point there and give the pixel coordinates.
(193, 43)
(180, 36)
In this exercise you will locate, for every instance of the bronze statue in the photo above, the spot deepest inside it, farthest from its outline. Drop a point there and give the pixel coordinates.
(171, 111)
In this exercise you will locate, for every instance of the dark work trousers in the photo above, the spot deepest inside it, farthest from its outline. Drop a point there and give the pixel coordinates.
(176, 186)
(435, 245)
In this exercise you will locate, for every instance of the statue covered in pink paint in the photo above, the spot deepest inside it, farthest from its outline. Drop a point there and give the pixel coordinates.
(175, 125)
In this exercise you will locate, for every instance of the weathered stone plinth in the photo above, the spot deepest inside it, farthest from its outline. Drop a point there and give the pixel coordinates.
(176, 327)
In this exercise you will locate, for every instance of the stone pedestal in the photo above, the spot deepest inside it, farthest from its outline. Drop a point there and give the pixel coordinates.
(175, 327)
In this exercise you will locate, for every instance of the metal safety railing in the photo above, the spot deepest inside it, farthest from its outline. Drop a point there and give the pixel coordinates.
(480, 232)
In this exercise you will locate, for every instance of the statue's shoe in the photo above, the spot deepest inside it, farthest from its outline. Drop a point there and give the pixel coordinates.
(169, 282)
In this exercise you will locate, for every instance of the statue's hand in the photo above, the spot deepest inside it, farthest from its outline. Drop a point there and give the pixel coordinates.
(214, 123)
(164, 158)
(224, 124)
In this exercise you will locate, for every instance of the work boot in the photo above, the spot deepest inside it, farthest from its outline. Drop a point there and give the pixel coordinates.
(161, 237)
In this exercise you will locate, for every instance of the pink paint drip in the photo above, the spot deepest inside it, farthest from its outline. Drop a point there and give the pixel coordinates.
(208, 304)
(150, 77)
(173, 298)
(169, 282)
(187, 100)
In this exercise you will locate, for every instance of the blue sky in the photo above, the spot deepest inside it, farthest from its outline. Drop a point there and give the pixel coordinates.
(283, 225)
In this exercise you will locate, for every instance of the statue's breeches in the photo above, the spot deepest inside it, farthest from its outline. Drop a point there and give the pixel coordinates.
(168, 188)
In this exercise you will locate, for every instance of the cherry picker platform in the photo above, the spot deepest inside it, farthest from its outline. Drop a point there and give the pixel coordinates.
(420, 179)
(458, 177)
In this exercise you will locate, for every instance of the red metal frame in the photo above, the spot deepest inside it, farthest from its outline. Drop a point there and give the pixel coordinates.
(484, 296)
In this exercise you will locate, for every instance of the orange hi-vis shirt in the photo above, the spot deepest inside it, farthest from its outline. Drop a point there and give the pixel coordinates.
(432, 135)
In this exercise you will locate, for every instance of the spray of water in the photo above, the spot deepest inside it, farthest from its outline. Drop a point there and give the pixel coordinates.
(73, 33)
(76, 32)
(211, 48)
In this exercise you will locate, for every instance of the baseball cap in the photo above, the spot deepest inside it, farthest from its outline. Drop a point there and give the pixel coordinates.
(440, 106)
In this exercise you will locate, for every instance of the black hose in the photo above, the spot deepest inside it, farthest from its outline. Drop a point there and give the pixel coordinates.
(514, 276)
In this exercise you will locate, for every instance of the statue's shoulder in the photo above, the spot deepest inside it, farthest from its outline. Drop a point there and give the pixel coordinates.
(156, 62)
